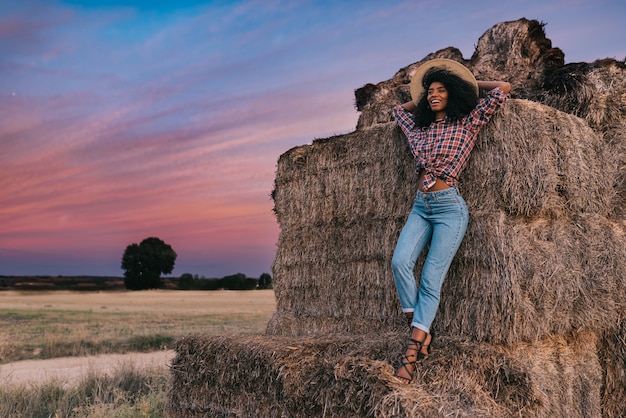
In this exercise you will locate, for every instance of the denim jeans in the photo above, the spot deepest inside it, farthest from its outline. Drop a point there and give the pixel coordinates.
(439, 218)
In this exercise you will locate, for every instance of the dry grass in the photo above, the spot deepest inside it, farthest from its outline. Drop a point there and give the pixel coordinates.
(167, 301)
(60, 323)
(63, 323)
(126, 392)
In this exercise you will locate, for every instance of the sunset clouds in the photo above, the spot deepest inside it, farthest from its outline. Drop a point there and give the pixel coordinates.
(122, 122)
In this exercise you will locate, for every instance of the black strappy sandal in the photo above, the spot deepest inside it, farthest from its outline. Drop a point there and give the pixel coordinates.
(420, 354)
(410, 360)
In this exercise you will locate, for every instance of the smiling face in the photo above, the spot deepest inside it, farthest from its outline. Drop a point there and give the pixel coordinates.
(437, 99)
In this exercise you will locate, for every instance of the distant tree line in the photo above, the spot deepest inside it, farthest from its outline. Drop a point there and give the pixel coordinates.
(237, 281)
(144, 263)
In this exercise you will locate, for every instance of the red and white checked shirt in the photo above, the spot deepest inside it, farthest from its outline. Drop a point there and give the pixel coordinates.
(443, 148)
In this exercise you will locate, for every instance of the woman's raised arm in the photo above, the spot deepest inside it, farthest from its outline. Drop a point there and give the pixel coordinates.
(489, 85)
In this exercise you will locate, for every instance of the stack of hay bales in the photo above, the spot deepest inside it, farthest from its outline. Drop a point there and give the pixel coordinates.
(531, 321)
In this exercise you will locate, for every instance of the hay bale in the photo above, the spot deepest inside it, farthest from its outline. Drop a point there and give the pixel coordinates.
(595, 92)
(341, 204)
(317, 184)
(518, 52)
(536, 161)
(269, 377)
(532, 318)
(516, 279)
(348, 375)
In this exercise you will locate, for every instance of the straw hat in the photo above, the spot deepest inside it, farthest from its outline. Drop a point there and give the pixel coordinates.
(454, 67)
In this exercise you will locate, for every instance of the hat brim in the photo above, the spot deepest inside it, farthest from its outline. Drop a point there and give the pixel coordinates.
(417, 90)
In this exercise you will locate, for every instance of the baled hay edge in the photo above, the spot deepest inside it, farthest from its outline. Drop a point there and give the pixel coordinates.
(348, 375)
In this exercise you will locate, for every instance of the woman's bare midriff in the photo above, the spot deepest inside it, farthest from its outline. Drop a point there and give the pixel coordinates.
(439, 184)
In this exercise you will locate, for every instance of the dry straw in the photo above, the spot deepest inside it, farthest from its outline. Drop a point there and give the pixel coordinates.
(515, 279)
(345, 376)
(596, 93)
(540, 255)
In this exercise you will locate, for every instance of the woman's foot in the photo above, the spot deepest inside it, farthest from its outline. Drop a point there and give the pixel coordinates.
(407, 370)
(425, 350)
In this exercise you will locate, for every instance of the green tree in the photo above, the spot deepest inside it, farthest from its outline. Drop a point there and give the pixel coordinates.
(265, 281)
(144, 263)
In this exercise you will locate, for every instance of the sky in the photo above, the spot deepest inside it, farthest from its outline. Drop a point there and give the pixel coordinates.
(123, 120)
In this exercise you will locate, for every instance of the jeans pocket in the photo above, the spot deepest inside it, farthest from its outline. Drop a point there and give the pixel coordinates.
(448, 197)
(450, 202)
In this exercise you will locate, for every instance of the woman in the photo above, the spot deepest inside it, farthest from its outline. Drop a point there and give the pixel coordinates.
(441, 125)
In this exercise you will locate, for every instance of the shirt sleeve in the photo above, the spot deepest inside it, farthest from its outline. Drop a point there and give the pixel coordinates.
(485, 109)
(404, 118)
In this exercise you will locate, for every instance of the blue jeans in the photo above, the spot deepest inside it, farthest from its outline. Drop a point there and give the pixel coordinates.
(439, 218)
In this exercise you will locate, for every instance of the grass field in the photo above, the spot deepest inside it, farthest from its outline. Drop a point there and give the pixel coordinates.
(47, 324)
(38, 324)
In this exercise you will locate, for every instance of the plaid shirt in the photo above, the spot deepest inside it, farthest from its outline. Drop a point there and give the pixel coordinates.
(443, 148)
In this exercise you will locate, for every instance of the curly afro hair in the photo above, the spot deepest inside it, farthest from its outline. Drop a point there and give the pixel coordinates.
(462, 97)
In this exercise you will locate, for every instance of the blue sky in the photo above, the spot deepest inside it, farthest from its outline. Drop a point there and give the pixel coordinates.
(121, 120)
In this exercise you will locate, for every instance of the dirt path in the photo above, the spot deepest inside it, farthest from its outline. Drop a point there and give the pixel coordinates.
(66, 370)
